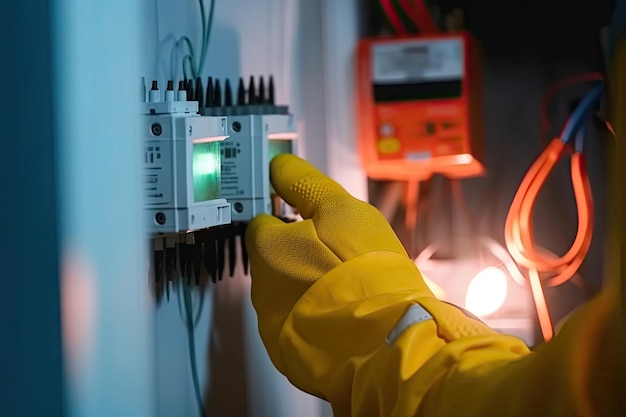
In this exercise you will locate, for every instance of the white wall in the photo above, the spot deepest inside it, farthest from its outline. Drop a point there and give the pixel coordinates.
(340, 34)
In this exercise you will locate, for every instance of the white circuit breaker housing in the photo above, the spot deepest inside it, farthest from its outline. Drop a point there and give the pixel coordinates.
(181, 167)
(255, 138)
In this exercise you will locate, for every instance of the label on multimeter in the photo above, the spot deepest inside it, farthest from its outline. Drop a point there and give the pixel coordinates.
(417, 61)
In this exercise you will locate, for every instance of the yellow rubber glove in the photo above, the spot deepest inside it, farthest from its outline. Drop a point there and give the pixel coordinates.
(346, 316)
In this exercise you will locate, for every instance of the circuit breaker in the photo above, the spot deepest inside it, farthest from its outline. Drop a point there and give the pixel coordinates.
(259, 130)
(181, 165)
(246, 157)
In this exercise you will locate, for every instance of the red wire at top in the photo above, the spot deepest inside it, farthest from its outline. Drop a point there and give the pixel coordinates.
(422, 10)
(393, 17)
(419, 15)
(416, 11)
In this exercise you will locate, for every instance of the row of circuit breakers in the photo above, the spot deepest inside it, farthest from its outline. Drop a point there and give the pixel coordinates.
(205, 162)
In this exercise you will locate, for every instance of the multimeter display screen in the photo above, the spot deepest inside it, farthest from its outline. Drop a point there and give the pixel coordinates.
(206, 171)
(417, 91)
(417, 70)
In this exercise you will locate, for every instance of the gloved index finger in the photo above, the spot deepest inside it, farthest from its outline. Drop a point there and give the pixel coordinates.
(302, 185)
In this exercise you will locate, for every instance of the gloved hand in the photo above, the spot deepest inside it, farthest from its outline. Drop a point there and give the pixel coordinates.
(286, 259)
(348, 250)
(346, 316)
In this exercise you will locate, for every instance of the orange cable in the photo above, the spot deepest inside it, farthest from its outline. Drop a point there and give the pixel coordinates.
(568, 264)
(545, 322)
(518, 231)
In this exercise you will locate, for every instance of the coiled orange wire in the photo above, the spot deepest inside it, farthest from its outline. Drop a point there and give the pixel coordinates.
(544, 268)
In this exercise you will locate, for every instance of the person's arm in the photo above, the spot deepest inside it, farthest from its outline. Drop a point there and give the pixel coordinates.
(346, 316)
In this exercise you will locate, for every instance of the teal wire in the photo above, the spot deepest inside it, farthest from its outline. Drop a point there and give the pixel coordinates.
(200, 308)
(191, 340)
(187, 42)
(188, 58)
(196, 67)
(207, 34)
(204, 37)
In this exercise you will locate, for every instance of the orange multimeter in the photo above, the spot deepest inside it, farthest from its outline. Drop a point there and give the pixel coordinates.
(419, 107)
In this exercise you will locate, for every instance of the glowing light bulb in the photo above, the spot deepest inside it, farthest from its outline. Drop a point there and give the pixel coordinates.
(486, 292)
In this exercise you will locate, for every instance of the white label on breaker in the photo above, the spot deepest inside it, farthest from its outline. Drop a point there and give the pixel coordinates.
(418, 61)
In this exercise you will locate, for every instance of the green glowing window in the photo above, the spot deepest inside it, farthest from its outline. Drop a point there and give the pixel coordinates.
(278, 146)
(206, 171)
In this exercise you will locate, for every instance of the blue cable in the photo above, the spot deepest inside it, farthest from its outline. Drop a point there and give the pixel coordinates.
(581, 113)
(579, 141)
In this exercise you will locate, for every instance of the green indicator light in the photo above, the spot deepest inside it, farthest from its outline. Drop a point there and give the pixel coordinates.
(278, 146)
(206, 171)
